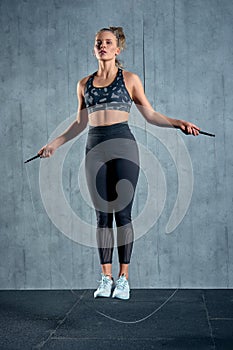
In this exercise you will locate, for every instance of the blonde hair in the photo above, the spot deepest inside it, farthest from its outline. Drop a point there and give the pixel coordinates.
(119, 34)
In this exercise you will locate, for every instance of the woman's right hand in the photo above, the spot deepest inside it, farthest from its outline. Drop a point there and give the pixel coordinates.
(46, 151)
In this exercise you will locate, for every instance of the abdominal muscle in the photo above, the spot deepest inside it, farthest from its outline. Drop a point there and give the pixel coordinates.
(107, 117)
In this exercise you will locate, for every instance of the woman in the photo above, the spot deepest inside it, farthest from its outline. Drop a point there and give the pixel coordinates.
(105, 98)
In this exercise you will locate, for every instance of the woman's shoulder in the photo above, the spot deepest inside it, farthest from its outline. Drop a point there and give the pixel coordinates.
(84, 80)
(130, 77)
(128, 74)
(81, 84)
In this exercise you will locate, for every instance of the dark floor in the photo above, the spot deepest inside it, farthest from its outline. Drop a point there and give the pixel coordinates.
(151, 319)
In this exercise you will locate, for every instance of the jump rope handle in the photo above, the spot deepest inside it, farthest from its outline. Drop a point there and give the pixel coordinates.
(206, 133)
(28, 160)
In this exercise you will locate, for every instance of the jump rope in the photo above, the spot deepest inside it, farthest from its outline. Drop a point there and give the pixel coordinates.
(200, 132)
(99, 312)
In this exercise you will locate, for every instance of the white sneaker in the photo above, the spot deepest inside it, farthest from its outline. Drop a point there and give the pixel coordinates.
(105, 287)
(122, 288)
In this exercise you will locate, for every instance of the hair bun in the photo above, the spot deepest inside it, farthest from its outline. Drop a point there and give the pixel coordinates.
(118, 31)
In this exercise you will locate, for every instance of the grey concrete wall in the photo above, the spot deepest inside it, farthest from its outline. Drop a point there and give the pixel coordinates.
(182, 50)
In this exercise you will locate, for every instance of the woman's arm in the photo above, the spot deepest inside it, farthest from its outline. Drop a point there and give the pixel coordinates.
(154, 117)
(73, 130)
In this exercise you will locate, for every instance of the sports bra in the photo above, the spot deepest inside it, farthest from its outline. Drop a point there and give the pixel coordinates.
(112, 97)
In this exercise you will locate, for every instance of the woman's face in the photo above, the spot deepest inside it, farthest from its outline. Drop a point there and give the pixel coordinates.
(106, 46)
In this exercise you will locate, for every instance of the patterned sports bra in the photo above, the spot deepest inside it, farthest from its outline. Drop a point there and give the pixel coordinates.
(112, 97)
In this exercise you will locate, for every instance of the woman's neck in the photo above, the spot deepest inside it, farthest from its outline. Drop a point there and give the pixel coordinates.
(106, 69)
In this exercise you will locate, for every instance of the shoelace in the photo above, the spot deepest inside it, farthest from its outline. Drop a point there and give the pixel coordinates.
(121, 283)
(104, 282)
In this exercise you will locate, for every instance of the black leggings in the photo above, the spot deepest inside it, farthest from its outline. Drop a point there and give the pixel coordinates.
(112, 169)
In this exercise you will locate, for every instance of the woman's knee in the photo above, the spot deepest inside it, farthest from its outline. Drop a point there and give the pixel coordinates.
(123, 217)
(104, 219)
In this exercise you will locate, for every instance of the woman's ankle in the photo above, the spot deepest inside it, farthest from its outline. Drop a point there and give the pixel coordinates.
(107, 270)
(109, 275)
(125, 274)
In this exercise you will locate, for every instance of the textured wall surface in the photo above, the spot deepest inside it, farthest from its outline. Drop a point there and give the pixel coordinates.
(182, 50)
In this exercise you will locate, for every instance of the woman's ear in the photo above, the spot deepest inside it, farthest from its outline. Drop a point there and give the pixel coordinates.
(118, 51)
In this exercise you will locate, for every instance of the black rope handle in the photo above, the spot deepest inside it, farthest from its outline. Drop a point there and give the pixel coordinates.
(28, 160)
(206, 133)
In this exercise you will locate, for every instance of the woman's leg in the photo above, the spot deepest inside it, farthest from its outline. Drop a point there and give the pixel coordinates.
(125, 169)
(99, 185)
(124, 269)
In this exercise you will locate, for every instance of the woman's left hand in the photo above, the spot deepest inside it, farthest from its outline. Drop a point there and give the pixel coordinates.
(188, 128)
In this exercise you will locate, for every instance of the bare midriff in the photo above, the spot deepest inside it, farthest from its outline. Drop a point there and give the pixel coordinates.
(107, 117)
